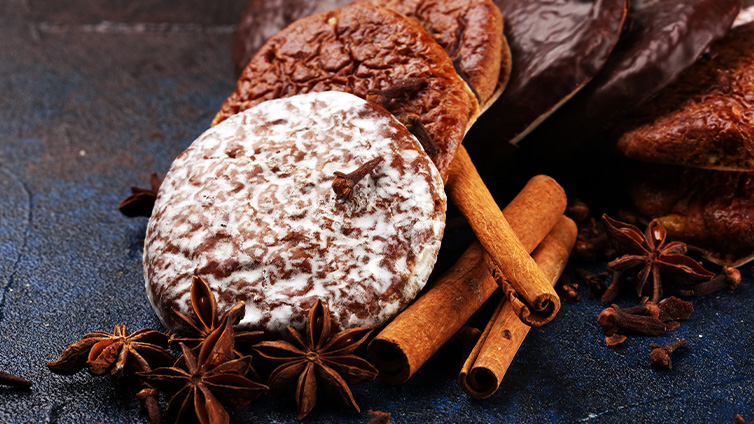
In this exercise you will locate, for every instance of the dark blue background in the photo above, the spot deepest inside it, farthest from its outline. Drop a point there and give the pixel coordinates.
(87, 109)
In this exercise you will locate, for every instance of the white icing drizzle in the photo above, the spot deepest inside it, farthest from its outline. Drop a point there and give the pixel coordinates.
(249, 207)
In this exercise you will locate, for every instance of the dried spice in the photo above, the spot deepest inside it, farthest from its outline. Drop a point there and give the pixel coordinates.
(205, 319)
(400, 91)
(595, 283)
(202, 386)
(613, 319)
(14, 381)
(415, 126)
(378, 417)
(116, 353)
(141, 201)
(320, 357)
(740, 420)
(660, 355)
(591, 242)
(674, 309)
(648, 253)
(566, 288)
(344, 183)
(149, 405)
(728, 279)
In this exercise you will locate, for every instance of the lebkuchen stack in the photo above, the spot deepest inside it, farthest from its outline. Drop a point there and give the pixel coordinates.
(699, 133)
(390, 60)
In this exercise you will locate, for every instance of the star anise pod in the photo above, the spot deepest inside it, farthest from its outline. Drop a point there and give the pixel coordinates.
(141, 200)
(321, 357)
(202, 386)
(648, 253)
(117, 353)
(205, 319)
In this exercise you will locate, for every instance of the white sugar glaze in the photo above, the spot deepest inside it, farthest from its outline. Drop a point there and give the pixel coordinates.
(249, 207)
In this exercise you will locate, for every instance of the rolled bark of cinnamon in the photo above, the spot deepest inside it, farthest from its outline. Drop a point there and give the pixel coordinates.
(419, 331)
(485, 367)
(468, 192)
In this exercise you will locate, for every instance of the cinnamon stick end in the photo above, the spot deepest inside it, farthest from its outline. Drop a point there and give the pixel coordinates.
(546, 306)
(390, 360)
(479, 383)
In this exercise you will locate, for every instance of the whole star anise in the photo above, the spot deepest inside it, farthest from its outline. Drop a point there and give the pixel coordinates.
(202, 386)
(648, 253)
(321, 357)
(117, 353)
(205, 319)
(141, 201)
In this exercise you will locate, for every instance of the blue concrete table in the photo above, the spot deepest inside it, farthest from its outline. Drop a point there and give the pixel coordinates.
(93, 97)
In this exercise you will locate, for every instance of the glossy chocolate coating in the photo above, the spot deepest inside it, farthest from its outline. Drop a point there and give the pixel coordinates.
(706, 118)
(556, 47)
(662, 40)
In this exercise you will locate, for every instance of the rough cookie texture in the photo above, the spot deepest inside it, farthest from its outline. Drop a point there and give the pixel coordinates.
(471, 31)
(361, 50)
(706, 119)
(249, 206)
(710, 209)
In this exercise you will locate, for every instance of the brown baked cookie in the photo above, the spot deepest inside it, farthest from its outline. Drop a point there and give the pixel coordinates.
(706, 119)
(374, 53)
(471, 31)
(250, 207)
(713, 210)
(264, 18)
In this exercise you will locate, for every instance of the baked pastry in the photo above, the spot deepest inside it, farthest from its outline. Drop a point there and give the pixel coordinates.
(367, 51)
(706, 119)
(250, 207)
(264, 18)
(471, 32)
(713, 210)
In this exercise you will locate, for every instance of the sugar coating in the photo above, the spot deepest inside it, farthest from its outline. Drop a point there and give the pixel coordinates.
(249, 206)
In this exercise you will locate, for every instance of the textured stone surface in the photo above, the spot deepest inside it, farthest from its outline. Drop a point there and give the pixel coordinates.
(84, 115)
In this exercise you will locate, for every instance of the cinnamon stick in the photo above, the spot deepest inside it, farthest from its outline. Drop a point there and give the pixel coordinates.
(467, 190)
(419, 331)
(485, 367)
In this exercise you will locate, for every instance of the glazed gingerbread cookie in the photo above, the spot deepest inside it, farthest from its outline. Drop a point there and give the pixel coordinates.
(250, 207)
(374, 53)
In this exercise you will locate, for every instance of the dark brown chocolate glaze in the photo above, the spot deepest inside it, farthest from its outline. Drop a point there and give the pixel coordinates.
(663, 38)
(361, 50)
(706, 118)
(264, 18)
(713, 210)
(471, 31)
(556, 47)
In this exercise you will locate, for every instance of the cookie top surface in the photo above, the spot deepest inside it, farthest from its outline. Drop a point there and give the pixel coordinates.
(363, 50)
(470, 31)
(705, 119)
(250, 207)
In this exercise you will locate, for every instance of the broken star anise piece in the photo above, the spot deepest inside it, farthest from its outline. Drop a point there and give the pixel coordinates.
(118, 353)
(202, 386)
(205, 319)
(322, 357)
(141, 200)
(648, 253)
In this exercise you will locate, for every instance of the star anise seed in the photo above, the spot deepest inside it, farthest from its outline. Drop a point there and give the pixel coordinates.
(202, 386)
(205, 319)
(141, 201)
(648, 253)
(320, 357)
(117, 353)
